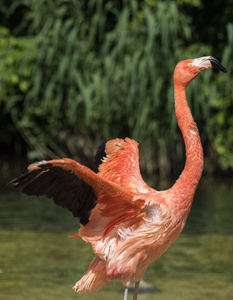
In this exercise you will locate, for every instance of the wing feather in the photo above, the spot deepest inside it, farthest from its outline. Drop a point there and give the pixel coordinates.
(116, 202)
(77, 188)
(66, 189)
(120, 164)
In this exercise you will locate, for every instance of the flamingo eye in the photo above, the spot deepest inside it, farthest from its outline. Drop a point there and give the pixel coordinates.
(190, 64)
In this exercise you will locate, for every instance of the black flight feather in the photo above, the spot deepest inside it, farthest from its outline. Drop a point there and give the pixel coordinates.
(66, 189)
(100, 154)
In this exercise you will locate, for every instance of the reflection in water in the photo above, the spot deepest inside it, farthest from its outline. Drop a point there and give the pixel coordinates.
(39, 261)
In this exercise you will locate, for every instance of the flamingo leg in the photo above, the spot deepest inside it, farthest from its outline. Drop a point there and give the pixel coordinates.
(126, 293)
(135, 294)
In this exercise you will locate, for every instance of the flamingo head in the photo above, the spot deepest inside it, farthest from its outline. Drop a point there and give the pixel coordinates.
(187, 70)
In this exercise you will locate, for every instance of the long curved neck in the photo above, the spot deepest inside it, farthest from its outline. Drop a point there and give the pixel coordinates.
(186, 185)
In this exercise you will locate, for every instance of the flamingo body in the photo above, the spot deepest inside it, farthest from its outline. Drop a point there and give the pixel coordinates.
(127, 223)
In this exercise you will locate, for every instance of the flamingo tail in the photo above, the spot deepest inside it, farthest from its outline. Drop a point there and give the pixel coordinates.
(94, 278)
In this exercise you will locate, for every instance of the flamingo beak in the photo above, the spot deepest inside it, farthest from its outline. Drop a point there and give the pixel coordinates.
(216, 65)
(207, 62)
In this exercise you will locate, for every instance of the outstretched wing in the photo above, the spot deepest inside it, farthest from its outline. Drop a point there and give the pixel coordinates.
(77, 188)
(120, 163)
(66, 189)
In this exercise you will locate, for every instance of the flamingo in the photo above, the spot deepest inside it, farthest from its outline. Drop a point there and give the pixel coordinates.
(128, 224)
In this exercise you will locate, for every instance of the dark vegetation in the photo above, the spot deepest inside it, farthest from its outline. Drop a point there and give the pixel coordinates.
(75, 73)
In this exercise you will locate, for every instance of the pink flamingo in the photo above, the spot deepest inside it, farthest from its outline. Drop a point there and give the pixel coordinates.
(127, 223)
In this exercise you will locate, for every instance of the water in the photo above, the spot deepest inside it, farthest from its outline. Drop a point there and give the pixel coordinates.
(39, 261)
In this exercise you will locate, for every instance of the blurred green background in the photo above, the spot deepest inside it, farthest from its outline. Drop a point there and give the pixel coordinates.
(74, 73)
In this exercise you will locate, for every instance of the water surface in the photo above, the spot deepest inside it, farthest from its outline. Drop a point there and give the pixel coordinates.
(39, 261)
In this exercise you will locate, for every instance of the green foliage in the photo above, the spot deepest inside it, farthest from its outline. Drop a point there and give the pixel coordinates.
(221, 122)
(16, 55)
(93, 70)
(15, 72)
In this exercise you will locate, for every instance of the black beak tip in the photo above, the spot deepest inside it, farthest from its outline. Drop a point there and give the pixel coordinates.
(216, 65)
